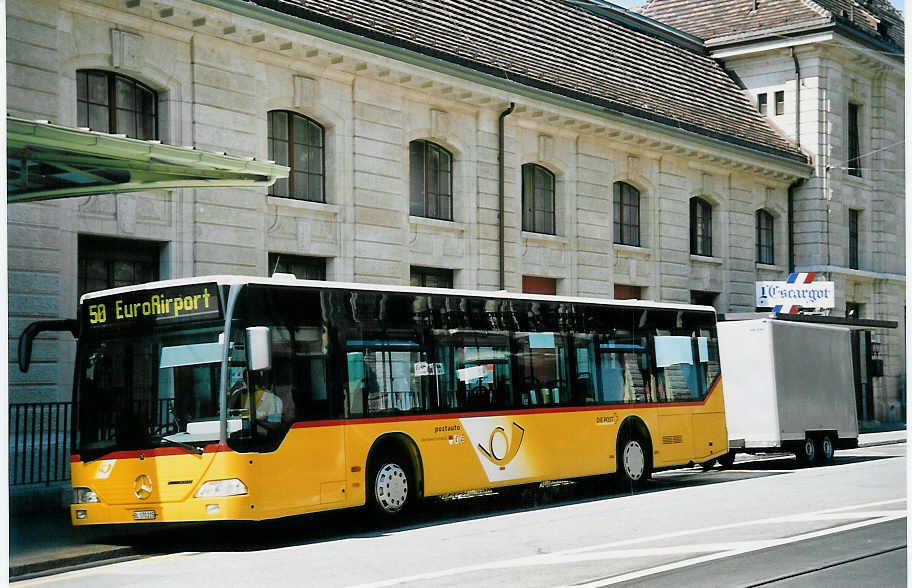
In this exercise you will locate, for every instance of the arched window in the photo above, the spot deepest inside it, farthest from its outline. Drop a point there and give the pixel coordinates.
(700, 227)
(298, 142)
(626, 214)
(538, 199)
(112, 103)
(430, 181)
(765, 253)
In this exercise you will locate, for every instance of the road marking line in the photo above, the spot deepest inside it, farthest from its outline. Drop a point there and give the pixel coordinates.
(731, 553)
(556, 556)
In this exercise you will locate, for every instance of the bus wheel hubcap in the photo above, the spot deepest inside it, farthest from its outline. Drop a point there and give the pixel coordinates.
(391, 488)
(634, 460)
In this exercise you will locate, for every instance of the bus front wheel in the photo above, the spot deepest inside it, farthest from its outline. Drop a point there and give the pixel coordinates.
(633, 461)
(392, 485)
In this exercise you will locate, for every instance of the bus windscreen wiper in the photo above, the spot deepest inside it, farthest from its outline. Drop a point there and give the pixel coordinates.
(193, 448)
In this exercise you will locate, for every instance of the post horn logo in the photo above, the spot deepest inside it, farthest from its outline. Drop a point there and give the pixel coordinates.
(502, 449)
(142, 487)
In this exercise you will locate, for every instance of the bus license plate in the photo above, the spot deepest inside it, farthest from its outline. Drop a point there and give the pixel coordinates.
(143, 515)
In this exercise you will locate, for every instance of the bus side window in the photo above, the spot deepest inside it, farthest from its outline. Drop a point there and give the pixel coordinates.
(541, 359)
(476, 370)
(623, 370)
(357, 383)
(586, 384)
(681, 375)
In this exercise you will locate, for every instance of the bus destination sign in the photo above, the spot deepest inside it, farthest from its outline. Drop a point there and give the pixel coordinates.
(193, 301)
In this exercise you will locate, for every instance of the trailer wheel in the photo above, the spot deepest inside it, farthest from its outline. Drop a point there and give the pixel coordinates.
(807, 452)
(727, 460)
(826, 449)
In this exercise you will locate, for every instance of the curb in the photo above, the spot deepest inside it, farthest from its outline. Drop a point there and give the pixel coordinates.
(886, 442)
(25, 571)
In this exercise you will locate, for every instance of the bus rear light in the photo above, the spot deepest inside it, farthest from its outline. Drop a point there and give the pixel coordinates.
(215, 488)
(83, 495)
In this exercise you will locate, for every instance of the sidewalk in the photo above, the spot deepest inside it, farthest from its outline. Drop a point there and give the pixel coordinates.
(46, 540)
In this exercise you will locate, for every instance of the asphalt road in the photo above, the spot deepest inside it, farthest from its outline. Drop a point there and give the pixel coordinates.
(764, 523)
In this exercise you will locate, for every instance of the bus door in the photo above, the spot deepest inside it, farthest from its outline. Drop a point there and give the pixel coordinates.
(305, 461)
(678, 384)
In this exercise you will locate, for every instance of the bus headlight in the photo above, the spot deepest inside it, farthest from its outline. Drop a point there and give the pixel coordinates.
(83, 495)
(214, 488)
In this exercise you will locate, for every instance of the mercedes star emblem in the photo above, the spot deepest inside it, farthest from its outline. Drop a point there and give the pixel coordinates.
(142, 487)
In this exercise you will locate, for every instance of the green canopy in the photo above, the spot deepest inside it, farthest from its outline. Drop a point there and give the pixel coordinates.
(47, 161)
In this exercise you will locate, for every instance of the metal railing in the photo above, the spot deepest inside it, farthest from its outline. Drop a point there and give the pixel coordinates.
(39, 442)
(40, 433)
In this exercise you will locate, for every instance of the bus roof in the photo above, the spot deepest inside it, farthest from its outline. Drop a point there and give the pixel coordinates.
(289, 280)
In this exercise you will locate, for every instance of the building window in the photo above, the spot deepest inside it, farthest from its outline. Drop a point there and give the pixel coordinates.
(854, 143)
(431, 277)
(765, 250)
(853, 310)
(704, 298)
(883, 29)
(700, 227)
(537, 285)
(624, 292)
(853, 238)
(111, 103)
(538, 199)
(303, 268)
(431, 181)
(780, 102)
(626, 214)
(106, 262)
(761, 103)
(298, 142)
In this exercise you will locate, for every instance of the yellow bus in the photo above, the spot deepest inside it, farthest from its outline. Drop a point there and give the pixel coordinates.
(229, 398)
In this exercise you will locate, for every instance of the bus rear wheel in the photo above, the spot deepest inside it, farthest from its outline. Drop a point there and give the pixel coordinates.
(633, 462)
(392, 486)
(727, 460)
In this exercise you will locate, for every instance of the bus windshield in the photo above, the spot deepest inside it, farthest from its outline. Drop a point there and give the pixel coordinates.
(138, 391)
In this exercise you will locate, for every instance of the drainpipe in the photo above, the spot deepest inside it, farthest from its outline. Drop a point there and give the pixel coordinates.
(500, 191)
(797, 99)
(790, 222)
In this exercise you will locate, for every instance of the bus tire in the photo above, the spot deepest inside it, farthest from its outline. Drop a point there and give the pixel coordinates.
(825, 448)
(634, 464)
(727, 460)
(807, 452)
(392, 485)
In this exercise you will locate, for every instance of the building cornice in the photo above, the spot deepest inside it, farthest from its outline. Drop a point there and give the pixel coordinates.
(850, 274)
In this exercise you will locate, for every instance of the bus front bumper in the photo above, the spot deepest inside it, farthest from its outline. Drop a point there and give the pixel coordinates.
(190, 510)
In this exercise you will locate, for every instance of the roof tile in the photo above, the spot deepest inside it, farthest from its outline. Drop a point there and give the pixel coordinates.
(584, 49)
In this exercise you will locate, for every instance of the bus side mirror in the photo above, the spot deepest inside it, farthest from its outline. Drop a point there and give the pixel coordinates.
(259, 348)
(33, 330)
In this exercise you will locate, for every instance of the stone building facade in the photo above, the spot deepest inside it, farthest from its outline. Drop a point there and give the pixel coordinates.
(218, 69)
(830, 75)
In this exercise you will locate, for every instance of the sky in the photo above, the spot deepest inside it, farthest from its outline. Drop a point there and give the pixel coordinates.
(633, 3)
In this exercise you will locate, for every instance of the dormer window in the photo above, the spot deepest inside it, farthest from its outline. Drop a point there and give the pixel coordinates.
(883, 28)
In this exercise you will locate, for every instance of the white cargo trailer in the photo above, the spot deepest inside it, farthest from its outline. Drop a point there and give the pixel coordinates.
(788, 386)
